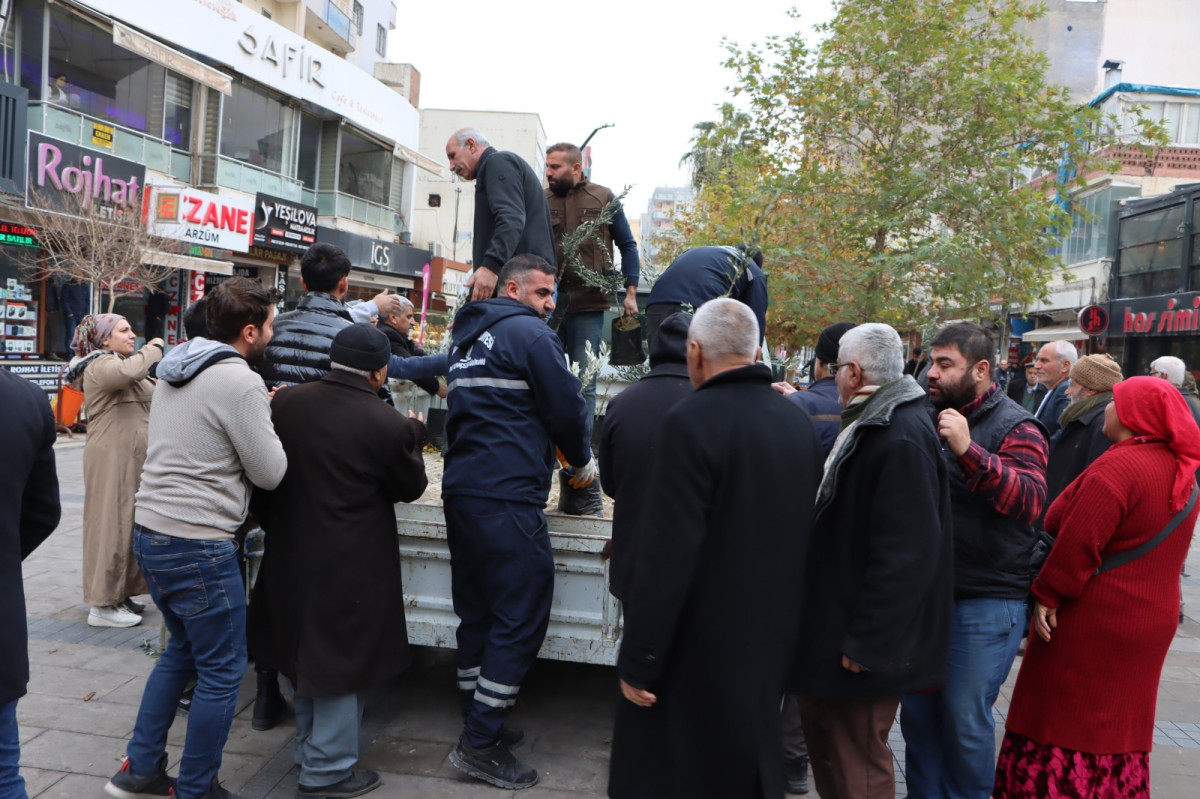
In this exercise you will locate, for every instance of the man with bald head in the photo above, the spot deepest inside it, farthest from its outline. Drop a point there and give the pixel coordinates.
(511, 215)
(714, 601)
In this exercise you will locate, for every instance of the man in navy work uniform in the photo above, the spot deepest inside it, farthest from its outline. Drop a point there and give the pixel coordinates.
(511, 400)
(705, 273)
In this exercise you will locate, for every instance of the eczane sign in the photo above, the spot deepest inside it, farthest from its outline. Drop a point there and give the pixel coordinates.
(199, 217)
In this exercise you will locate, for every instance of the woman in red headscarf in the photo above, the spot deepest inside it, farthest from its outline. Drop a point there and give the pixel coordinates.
(116, 396)
(1081, 723)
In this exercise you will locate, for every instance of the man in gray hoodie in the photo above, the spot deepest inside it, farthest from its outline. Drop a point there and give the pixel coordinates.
(210, 438)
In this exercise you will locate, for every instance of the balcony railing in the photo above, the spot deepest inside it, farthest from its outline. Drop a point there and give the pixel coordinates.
(347, 206)
(77, 128)
(229, 173)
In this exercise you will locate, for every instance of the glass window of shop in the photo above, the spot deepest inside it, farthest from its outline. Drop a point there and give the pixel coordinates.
(1092, 223)
(1194, 266)
(22, 57)
(1151, 252)
(22, 309)
(364, 167)
(256, 128)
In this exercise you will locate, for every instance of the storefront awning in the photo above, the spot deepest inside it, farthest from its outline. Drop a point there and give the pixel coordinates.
(414, 157)
(172, 59)
(1069, 332)
(173, 260)
(380, 281)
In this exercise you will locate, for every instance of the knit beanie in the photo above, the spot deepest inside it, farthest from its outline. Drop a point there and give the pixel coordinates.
(1097, 372)
(670, 346)
(360, 346)
(827, 342)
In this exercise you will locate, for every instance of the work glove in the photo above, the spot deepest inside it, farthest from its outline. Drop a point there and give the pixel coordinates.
(584, 475)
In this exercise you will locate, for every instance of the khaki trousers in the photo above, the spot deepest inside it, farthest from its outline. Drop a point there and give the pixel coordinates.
(847, 746)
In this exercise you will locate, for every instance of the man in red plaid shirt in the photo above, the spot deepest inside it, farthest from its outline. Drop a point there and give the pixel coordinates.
(996, 453)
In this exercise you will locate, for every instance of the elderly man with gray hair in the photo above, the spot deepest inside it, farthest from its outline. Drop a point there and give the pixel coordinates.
(881, 572)
(1052, 367)
(511, 214)
(1173, 370)
(713, 609)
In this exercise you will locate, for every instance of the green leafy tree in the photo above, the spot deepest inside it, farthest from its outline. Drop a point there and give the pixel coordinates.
(904, 169)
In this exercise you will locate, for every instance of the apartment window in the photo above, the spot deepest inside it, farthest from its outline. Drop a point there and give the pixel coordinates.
(363, 168)
(177, 112)
(381, 40)
(90, 74)
(308, 163)
(1151, 252)
(256, 128)
(357, 16)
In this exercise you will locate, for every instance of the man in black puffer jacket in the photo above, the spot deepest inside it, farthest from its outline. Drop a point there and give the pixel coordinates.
(299, 349)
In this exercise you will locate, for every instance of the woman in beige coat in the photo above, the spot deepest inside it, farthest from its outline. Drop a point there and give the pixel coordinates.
(116, 390)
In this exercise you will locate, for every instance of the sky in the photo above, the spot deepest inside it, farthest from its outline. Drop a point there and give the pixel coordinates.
(651, 68)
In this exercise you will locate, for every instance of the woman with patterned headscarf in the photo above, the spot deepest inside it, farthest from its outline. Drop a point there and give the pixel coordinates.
(116, 396)
(1081, 722)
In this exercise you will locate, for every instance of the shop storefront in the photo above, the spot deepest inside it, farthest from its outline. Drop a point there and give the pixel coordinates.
(1156, 305)
(378, 265)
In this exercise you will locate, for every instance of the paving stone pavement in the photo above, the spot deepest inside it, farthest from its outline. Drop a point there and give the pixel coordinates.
(86, 684)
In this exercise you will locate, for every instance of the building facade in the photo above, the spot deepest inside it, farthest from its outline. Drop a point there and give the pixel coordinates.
(248, 133)
(659, 219)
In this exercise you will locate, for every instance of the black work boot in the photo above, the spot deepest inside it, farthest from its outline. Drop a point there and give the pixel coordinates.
(268, 704)
(795, 771)
(494, 764)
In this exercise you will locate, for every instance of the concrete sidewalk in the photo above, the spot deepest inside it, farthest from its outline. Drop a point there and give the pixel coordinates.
(87, 682)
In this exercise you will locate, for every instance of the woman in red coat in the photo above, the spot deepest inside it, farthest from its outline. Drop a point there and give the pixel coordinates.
(1082, 716)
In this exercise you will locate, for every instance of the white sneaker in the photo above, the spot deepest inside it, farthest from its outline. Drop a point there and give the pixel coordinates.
(112, 616)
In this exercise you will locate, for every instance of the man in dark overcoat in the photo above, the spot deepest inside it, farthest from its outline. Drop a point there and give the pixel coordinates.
(629, 445)
(328, 607)
(879, 589)
(29, 512)
(714, 606)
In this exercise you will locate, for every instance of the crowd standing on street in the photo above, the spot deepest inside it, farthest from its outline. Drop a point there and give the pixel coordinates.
(793, 570)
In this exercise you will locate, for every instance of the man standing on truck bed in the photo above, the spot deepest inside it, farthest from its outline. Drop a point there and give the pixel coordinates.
(511, 217)
(510, 400)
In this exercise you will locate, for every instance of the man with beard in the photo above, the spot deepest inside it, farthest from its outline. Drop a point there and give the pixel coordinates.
(511, 217)
(995, 453)
(210, 439)
(574, 201)
(511, 400)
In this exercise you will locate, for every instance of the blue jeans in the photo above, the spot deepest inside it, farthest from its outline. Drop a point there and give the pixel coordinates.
(198, 588)
(326, 743)
(576, 331)
(950, 734)
(12, 785)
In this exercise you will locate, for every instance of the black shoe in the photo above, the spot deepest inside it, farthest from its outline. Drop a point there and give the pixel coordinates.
(511, 739)
(268, 704)
(358, 783)
(127, 785)
(795, 770)
(217, 792)
(494, 764)
(133, 606)
(185, 701)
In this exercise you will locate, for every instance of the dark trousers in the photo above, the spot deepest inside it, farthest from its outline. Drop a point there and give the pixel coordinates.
(502, 581)
(847, 746)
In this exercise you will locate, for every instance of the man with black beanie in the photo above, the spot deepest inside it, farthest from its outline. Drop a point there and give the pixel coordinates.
(328, 606)
(820, 399)
(629, 440)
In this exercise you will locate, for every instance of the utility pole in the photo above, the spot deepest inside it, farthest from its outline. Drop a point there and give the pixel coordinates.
(454, 247)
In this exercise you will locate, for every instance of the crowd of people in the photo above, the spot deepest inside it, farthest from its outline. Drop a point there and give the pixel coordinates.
(794, 570)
